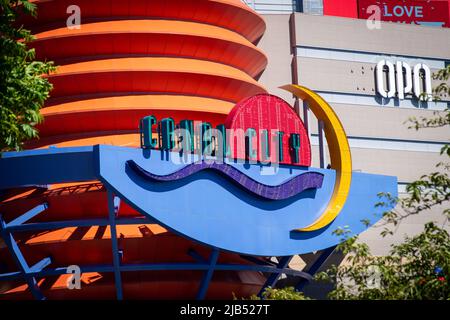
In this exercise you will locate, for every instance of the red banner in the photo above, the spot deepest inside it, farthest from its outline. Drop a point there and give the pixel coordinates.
(420, 12)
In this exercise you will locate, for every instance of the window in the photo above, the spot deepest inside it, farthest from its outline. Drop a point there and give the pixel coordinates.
(312, 7)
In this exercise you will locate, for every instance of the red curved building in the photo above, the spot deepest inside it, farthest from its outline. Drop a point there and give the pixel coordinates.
(180, 58)
(130, 58)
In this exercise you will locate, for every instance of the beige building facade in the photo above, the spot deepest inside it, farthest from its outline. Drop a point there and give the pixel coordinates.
(337, 57)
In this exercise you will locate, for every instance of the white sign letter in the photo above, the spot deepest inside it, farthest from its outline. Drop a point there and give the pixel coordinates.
(387, 91)
(74, 282)
(426, 81)
(374, 21)
(402, 87)
(74, 20)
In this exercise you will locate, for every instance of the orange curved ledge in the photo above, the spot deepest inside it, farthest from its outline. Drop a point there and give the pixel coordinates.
(125, 112)
(116, 139)
(184, 39)
(157, 64)
(154, 75)
(117, 120)
(141, 102)
(150, 26)
(230, 14)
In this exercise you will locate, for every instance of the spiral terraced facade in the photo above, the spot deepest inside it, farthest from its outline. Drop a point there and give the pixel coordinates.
(185, 59)
(181, 59)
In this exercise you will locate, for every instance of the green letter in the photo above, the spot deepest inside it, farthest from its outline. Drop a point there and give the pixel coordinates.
(188, 125)
(206, 138)
(251, 153)
(265, 150)
(145, 128)
(166, 128)
(280, 145)
(295, 145)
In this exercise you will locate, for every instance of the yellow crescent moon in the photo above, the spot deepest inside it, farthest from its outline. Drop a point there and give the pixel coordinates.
(340, 156)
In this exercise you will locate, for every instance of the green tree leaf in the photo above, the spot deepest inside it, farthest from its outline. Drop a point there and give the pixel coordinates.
(23, 85)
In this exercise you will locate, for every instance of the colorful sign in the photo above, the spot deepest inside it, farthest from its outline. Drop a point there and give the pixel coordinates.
(420, 12)
(254, 118)
(261, 129)
(223, 201)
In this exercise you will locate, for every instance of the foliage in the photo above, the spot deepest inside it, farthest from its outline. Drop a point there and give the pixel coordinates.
(443, 88)
(432, 189)
(288, 293)
(418, 268)
(23, 89)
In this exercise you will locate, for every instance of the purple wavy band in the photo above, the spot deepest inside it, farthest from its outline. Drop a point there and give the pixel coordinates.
(308, 180)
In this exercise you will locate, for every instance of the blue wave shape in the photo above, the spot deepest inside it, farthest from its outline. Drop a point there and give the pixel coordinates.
(292, 187)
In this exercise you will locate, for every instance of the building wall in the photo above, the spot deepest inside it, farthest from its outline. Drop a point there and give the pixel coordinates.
(343, 76)
(337, 57)
(381, 142)
(352, 34)
(338, 8)
(276, 43)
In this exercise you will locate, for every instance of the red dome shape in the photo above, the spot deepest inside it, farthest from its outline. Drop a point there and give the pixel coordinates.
(185, 59)
(129, 59)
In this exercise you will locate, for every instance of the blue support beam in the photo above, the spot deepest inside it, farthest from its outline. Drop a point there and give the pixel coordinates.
(208, 275)
(20, 261)
(47, 166)
(38, 270)
(113, 208)
(156, 267)
(11, 276)
(268, 269)
(258, 260)
(75, 223)
(55, 272)
(273, 278)
(33, 271)
(41, 265)
(197, 257)
(321, 259)
(28, 215)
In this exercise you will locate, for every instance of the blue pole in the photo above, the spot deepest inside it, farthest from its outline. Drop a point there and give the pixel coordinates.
(154, 267)
(208, 275)
(273, 278)
(20, 261)
(112, 208)
(28, 215)
(323, 257)
(74, 223)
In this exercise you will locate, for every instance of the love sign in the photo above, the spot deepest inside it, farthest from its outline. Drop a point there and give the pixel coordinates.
(433, 12)
(404, 11)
